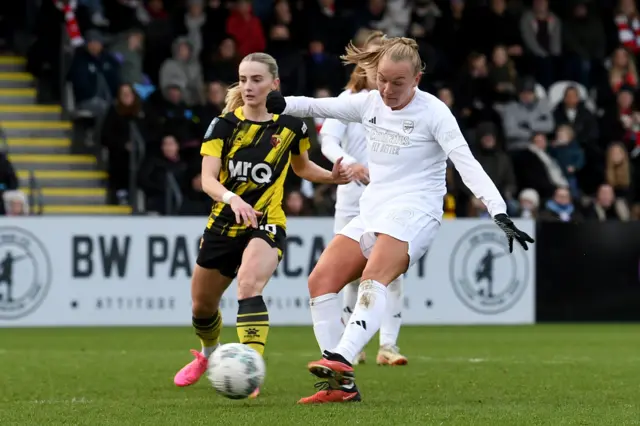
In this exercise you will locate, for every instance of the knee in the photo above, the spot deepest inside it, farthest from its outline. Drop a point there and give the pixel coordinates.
(249, 285)
(381, 273)
(320, 283)
(203, 308)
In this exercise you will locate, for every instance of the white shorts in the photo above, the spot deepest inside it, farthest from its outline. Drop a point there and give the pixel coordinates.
(342, 220)
(405, 224)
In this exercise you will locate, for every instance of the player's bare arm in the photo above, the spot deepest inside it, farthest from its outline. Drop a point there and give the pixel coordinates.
(214, 189)
(310, 171)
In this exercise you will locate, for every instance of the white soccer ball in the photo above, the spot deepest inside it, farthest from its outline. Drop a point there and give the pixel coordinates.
(235, 370)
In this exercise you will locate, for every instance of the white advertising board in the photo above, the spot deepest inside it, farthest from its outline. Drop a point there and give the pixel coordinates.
(95, 271)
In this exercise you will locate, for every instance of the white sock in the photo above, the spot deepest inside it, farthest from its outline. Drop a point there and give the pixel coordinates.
(208, 350)
(365, 320)
(349, 299)
(325, 314)
(392, 319)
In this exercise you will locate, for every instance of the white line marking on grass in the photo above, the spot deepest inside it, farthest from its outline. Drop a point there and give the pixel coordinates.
(81, 400)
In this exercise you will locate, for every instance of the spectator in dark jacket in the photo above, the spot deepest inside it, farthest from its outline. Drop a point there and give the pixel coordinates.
(569, 156)
(171, 115)
(498, 26)
(152, 178)
(584, 43)
(94, 75)
(536, 169)
(222, 65)
(541, 33)
(573, 112)
(494, 161)
(606, 207)
(117, 139)
(212, 108)
(323, 69)
(195, 201)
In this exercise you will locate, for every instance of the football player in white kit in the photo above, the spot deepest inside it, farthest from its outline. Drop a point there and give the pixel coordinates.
(410, 134)
(349, 142)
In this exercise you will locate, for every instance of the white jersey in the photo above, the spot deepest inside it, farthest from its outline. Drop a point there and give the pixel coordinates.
(408, 150)
(349, 141)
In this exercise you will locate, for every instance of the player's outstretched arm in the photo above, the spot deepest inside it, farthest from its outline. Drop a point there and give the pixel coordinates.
(310, 171)
(447, 133)
(347, 108)
(481, 185)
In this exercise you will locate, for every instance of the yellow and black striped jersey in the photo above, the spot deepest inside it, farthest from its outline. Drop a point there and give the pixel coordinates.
(255, 159)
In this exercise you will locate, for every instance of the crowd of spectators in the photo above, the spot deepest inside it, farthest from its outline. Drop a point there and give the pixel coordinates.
(545, 91)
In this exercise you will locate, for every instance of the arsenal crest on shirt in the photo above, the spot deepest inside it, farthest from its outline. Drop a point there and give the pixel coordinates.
(275, 140)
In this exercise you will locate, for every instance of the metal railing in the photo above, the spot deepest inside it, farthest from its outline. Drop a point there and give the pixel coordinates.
(36, 199)
(136, 156)
(172, 195)
(66, 56)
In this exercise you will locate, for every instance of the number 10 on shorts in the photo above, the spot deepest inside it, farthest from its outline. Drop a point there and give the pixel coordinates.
(269, 228)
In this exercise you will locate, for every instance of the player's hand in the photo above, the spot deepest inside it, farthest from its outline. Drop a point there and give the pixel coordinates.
(341, 174)
(513, 233)
(275, 102)
(360, 173)
(244, 212)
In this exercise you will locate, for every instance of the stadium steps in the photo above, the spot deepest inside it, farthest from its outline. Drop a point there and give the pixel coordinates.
(39, 144)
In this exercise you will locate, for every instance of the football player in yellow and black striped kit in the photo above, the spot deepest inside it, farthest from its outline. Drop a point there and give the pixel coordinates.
(246, 155)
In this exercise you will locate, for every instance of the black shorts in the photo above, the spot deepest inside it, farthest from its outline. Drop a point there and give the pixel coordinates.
(225, 253)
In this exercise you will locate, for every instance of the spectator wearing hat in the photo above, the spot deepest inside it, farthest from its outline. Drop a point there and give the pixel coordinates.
(15, 203)
(529, 201)
(183, 70)
(527, 116)
(94, 75)
(129, 53)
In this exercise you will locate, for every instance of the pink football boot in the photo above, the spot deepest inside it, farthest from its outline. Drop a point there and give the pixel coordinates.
(191, 373)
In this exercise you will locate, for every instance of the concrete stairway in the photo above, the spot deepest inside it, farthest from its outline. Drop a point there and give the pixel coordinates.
(39, 142)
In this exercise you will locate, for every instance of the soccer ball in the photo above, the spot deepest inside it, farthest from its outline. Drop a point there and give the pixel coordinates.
(235, 370)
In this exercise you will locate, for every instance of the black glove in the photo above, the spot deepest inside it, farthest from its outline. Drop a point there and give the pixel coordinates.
(276, 103)
(503, 221)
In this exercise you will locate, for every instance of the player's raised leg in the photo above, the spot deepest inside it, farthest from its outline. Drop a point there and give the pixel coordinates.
(389, 353)
(207, 287)
(340, 263)
(259, 261)
(389, 259)
(349, 298)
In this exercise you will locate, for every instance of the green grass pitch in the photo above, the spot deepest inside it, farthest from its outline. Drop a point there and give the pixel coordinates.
(535, 375)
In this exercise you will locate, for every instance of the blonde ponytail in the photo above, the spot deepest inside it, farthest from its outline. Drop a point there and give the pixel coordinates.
(233, 99)
(396, 48)
(358, 80)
